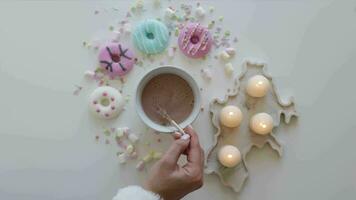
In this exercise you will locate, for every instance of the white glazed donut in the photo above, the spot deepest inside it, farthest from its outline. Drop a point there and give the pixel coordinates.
(106, 102)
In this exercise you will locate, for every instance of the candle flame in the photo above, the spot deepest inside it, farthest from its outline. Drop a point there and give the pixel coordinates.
(259, 83)
(263, 125)
(231, 113)
(229, 155)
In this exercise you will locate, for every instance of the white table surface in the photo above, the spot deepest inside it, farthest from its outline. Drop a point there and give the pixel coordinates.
(47, 145)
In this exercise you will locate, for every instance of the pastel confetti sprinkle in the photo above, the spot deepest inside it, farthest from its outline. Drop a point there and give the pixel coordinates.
(211, 24)
(147, 158)
(227, 33)
(107, 132)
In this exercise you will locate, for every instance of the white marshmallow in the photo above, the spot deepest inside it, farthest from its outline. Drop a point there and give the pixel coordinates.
(200, 12)
(133, 138)
(207, 74)
(129, 149)
(170, 52)
(120, 132)
(169, 13)
(229, 70)
(231, 51)
(224, 56)
(89, 74)
(127, 28)
(122, 158)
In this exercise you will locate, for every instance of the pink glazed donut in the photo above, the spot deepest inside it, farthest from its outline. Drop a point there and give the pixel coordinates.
(195, 40)
(116, 59)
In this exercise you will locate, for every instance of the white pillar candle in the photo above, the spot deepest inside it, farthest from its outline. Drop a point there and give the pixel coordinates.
(261, 123)
(230, 116)
(257, 86)
(229, 156)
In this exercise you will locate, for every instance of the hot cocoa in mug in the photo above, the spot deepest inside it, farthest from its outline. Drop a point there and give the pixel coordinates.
(171, 89)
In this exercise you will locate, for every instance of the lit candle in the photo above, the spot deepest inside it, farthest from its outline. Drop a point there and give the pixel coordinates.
(257, 86)
(261, 123)
(230, 116)
(229, 156)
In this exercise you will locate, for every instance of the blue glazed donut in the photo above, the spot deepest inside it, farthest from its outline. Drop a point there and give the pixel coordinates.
(151, 36)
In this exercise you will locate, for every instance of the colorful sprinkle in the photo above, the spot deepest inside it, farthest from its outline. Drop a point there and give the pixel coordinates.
(147, 158)
(227, 33)
(211, 24)
(107, 132)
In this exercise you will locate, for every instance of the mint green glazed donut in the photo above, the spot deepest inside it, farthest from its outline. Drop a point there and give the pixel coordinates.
(151, 36)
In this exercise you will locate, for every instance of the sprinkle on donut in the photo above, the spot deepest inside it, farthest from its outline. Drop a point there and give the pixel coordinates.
(195, 40)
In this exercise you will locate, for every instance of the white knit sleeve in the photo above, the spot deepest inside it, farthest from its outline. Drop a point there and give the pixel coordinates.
(135, 193)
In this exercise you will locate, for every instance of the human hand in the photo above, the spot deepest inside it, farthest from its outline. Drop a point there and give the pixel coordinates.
(171, 181)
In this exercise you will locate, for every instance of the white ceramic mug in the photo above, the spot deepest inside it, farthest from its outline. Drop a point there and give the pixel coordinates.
(168, 70)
